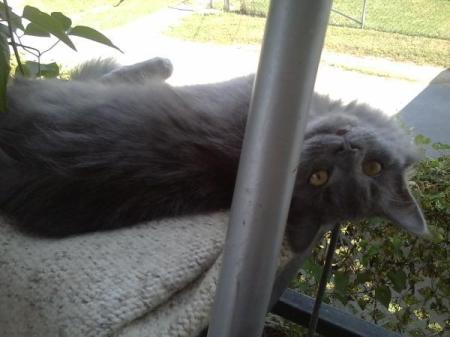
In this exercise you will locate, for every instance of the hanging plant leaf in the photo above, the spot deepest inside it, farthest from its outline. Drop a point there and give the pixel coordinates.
(93, 35)
(49, 70)
(16, 20)
(34, 69)
(65, 22)
(35, 30)
(47, 23)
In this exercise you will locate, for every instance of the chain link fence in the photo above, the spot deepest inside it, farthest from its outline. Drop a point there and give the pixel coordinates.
(247, 7)
(421, 18)
(260, 8)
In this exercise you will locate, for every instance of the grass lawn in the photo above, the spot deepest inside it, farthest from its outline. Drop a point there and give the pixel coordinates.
(100, 14)
(230, 28)
(429, 18)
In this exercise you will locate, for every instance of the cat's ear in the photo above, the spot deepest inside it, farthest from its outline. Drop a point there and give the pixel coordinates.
(402, 209)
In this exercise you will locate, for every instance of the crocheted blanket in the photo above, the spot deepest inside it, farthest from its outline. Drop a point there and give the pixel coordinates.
(154, 279)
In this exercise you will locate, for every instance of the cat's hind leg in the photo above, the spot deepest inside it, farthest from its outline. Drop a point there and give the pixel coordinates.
(109, 71)
(157, 68)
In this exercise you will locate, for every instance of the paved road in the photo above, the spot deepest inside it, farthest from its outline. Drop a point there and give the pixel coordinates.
(421, 94)
(429, 113)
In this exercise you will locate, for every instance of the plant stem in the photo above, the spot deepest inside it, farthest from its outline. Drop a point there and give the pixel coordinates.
(11, 36)
(33, 51)
(50, 48)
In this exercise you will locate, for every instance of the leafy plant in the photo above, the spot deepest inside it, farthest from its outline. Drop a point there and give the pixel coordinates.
(388, 276)
(34, 22)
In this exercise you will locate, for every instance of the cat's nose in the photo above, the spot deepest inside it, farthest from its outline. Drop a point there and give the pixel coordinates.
(348, 147)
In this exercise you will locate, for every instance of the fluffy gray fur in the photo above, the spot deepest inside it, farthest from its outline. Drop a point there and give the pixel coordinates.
(101, 152)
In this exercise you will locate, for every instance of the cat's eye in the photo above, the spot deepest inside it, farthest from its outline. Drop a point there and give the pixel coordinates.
(372, 168)
(319, 178)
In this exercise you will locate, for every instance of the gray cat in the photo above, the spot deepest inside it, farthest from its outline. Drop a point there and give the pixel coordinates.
(117, 146)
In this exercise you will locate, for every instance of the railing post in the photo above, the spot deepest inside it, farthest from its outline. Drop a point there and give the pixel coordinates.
(293, 41)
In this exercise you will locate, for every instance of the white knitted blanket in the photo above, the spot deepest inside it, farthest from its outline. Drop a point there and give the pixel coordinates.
(155, 279)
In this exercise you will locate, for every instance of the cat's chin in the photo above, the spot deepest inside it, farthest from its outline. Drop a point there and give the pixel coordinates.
(304, 236)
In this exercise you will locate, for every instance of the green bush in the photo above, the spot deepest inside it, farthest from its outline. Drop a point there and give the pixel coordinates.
(389, 277)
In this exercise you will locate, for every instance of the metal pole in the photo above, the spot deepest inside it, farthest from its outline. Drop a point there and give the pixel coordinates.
(293, 41)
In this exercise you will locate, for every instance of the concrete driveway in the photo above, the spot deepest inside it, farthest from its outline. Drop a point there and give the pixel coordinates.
(429, 112)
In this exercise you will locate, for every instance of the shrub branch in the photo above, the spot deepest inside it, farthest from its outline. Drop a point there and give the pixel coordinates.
(11, 36)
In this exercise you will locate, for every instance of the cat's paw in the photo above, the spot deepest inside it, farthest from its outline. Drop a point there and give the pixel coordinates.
(158, 66)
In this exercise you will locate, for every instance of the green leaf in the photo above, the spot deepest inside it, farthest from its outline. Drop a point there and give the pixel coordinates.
(65, 22)
(363, 277)
(440, 146)
(437, 234)
(91, 34)
(16, 20)
(312, 268)
(397, 242)
(371, 252)
(47, 23)
(30, 69)
(398, 279)
(4, 29)
(302, 286)
(34, 69)
(422, 140)
(49, 70)
(383, 295)
(342, 298)
(35, 30)
(4, 70)
(341, 281)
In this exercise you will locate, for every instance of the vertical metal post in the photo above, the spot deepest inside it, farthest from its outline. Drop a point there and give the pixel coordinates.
(293, 41)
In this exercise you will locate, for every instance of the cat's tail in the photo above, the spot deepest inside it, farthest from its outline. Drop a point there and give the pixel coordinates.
(94, 69)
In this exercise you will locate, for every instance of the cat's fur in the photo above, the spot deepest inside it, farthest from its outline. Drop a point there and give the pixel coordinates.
(102, 153)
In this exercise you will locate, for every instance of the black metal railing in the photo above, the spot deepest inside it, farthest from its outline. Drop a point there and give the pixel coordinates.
(333, 322)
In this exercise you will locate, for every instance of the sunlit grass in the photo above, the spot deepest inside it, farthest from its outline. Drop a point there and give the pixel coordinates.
(101, 14)
(231, 28)
(429, 18)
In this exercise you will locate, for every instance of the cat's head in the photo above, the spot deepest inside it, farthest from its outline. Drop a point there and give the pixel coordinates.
(353, 165)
